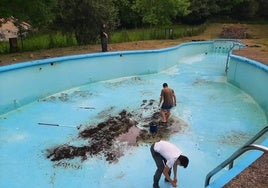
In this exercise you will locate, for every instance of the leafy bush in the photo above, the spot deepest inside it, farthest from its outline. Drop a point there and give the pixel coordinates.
(4, 47)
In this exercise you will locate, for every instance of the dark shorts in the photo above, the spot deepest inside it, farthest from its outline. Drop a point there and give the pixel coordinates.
(166, 107)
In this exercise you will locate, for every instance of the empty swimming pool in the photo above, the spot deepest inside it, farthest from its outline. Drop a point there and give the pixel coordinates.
(211, 120)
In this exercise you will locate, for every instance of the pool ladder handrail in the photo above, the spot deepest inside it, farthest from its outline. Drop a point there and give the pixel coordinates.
(234, 44)
(228, 58)
(246, 147)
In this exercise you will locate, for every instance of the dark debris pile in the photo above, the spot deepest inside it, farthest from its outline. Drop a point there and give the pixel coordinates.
(101, 138)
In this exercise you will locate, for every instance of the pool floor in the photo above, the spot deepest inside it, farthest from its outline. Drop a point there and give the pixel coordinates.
(218, 119)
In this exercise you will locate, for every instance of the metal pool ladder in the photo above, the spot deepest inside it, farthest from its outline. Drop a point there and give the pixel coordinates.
(237, 45)
(246, 147)
(226, 46)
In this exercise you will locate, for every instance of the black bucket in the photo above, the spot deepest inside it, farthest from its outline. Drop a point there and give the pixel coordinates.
(153, 128)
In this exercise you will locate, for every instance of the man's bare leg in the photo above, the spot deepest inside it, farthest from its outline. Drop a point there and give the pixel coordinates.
(163, 115)
(168, 113)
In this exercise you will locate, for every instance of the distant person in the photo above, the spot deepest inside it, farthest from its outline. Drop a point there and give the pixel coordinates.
(168, 98)
(167, 156)
(104, 38)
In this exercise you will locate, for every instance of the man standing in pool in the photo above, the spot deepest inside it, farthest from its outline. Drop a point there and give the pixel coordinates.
(168, 98)
(166, 156)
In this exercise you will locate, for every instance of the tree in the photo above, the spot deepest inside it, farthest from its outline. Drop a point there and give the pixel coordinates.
(199, 12)
(223, 8)
(246, 9)
(161, 12)
(238, 9)
(36, 12)
(84, 18)
(129, 18)
(263, 7)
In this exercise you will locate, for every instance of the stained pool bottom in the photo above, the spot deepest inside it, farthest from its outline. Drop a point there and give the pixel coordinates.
(212, 117)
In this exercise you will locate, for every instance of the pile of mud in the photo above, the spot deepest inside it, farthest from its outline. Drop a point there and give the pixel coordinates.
(234, 32)
(110, 137)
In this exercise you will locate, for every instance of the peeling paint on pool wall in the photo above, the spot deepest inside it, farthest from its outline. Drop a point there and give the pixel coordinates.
(214, 118)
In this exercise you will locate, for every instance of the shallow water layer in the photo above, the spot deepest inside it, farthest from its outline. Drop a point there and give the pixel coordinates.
(217, 119)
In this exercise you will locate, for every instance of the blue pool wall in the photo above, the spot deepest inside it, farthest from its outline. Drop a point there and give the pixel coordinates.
(250, 76)
(26, 82)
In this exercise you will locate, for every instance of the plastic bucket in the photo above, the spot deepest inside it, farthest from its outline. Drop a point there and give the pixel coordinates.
(153, 128)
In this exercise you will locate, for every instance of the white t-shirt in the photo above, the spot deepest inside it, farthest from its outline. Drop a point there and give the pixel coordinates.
(169, 151)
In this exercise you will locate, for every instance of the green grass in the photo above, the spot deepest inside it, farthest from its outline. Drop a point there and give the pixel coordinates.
(170, 32)
(46, 41)
(50, 40)
(35, 42)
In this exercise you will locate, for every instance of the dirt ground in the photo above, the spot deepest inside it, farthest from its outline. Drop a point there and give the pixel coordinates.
(255, 176)
(256, 46)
